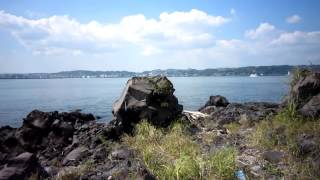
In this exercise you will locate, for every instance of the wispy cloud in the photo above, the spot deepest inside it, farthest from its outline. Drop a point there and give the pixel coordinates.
(293, 19)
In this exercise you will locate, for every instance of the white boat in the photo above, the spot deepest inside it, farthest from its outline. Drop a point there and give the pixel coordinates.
(253, 75)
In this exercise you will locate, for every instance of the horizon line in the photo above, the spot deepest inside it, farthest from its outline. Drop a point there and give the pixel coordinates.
(164, 69)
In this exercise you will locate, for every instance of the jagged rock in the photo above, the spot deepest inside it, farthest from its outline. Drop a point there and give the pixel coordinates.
(100, 154)
(307, 144)
(41, 131)
(253, 112)
(273, 156)
(40, 120)
(149, 98)
(208, 109)
(22, 167)
(9, 144)
(305, 89)
(195, 119)
(311, 108)
(217, 101)
(222, 112)
(121, 153)
(75, 156)
(305, 94)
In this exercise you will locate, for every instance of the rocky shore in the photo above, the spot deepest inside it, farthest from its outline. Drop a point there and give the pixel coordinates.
(72, 145)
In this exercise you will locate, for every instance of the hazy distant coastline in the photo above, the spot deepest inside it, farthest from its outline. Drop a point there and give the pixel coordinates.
(241, 71)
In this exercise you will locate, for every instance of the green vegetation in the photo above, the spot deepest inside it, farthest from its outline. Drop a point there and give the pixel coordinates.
(75, 173)
(233, 127)
(283, 133)
(172, 154)
(223, 163)
(272, 169)
(208, 137)
(161, 86)
(298, 74)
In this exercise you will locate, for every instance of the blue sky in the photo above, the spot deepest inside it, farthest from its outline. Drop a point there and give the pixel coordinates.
(136, 35)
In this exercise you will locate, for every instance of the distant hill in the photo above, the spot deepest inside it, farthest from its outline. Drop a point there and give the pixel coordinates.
(241, 71)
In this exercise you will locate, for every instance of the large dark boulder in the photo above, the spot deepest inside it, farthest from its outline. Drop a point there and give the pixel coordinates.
(22, 167)
(215, 101)
(40, 120)
(304, 94)
(305, 89)
(149, 98)
(312, 107)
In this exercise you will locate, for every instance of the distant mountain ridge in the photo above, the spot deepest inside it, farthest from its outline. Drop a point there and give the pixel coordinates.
(240, 71)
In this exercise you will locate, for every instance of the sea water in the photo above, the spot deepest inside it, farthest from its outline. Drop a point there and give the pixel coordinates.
(96, 95)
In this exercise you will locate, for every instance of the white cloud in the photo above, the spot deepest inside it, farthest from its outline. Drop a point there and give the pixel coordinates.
(171, 30)
(173, 40)
(293, 19)
(262, 31)
(277, 47)
(298, 37)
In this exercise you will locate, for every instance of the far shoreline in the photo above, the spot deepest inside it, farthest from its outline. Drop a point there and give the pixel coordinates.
(142, 76)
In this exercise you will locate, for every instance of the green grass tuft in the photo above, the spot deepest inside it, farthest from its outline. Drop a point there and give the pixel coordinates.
(223, 163)
(298, 74)
(233, 128)
(172, 154)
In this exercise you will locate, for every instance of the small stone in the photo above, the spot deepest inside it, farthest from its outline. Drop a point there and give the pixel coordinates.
(255, 168)
(272, 156)
(121, 154)
(306, 144)
(75, 155)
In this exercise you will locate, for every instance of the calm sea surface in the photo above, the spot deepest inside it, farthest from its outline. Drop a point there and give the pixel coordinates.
(19, 97)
